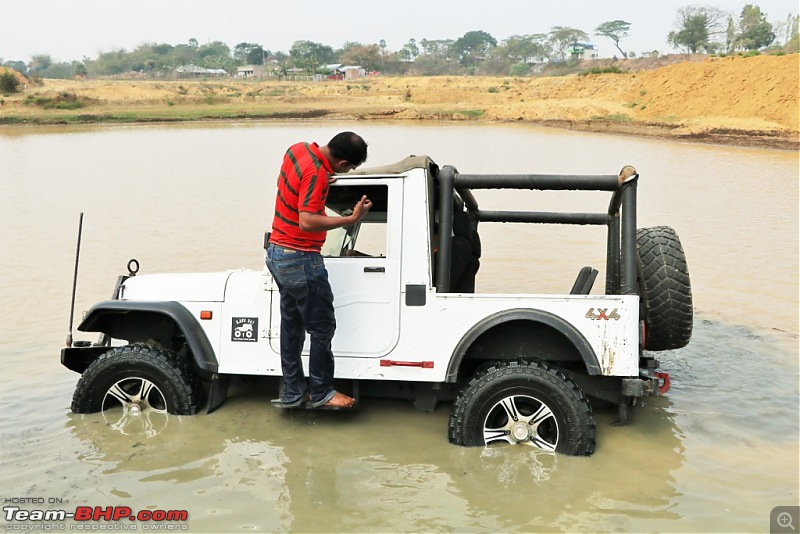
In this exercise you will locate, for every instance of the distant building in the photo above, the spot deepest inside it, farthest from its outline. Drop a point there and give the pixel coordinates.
(352, 72)
(195, 71)
(250, 71)
(584, 51)
(344, 72)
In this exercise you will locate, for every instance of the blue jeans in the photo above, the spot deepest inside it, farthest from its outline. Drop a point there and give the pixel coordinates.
(306, 305)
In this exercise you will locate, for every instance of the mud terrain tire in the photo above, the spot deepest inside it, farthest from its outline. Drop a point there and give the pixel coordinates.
(175, 390)
(664, 287)
(525, 402)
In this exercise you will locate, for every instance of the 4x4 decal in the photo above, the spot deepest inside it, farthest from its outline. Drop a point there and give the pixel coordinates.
(601, 314)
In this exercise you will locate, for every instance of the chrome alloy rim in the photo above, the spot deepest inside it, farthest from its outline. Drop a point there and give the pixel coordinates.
(143, 407)
(136, 395)
(521, 419)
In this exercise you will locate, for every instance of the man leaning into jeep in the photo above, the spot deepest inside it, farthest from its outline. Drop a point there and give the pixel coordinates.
(293, 257)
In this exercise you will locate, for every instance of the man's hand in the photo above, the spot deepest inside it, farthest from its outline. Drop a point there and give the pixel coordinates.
(362, 208)
(314, 222)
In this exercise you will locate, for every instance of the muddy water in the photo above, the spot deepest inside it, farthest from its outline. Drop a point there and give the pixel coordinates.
(716, 454)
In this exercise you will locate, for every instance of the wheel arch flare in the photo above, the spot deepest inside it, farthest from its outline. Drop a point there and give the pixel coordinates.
(492, 333)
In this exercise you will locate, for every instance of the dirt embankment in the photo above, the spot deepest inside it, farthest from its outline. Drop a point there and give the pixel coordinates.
(749, 101)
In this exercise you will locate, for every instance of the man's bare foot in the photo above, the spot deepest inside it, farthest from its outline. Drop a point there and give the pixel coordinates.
(340, 400)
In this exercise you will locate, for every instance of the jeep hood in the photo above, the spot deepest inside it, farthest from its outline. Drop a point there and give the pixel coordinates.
(192, 287)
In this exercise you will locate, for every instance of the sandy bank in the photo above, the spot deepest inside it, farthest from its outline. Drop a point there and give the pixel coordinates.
(746, 101)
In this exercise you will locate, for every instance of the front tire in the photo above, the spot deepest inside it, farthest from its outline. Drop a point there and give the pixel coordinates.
(138, 378)
(520, 402)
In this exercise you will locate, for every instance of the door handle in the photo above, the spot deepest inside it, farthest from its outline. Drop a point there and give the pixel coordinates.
(374, 269)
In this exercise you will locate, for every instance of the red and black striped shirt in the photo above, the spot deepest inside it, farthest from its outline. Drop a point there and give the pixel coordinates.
(302, 186)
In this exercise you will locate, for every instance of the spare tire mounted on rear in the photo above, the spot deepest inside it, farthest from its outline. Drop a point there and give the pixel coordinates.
(664, 288)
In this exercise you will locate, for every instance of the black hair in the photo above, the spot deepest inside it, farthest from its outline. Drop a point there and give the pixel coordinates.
(348, 146)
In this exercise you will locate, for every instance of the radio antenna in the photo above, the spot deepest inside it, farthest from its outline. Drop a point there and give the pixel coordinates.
(75, 280)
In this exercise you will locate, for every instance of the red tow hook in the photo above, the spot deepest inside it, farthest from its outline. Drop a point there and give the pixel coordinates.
(664, 386)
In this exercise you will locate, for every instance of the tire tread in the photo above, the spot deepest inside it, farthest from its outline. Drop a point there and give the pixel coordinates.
(188, 391)
(578, 441)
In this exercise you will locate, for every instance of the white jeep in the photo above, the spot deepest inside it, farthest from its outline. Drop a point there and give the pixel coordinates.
(517, 367)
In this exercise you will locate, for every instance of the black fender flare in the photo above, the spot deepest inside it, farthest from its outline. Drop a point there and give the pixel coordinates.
(102, 315)
(540, 316)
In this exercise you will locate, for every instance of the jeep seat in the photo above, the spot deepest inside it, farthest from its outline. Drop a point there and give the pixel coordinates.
(465, 254)
(584, 281)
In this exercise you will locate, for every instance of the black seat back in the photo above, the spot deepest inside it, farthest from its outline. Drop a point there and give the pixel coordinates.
(584, 281)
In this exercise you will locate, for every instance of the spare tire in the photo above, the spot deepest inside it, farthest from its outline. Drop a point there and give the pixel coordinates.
(664, 289)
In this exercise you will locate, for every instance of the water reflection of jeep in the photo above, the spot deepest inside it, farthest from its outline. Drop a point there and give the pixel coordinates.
(518, 368)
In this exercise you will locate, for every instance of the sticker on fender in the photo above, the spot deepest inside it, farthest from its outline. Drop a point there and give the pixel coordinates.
(244, 329)
(601, 314)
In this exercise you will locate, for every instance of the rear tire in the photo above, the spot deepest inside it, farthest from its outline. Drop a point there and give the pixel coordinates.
(664, 289)
(523, 402)
(139, 378)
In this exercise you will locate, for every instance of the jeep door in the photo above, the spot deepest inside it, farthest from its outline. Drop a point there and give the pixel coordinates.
(363, 263)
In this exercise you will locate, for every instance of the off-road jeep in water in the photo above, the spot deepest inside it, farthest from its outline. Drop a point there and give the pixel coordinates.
(518, 368)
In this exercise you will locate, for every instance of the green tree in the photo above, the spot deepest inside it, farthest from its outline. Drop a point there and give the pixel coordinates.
(182, 54)
(435, 58)
(562, 38)
(8, 81)
(437, 48)
(792, 34)
(526, 48)
(473, 46)
(18, 66)
(61, 70)
(792, 23)
(614, 30)
(698, 27)
(215, 55)
(730, 36)
(755, 31)
(410, 51)
(162, 49)
(249, 53)
(367, 56)
(39, 64)
(109, 63)
(309, 55)
(79, 68)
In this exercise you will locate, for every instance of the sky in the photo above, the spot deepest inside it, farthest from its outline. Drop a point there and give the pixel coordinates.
(73, 29)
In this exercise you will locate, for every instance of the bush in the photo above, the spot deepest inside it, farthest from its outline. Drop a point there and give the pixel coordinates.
(8, 82)
(519, 69)
(613, 69)
(63, 100)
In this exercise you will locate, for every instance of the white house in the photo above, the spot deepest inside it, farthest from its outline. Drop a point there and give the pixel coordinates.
(584, 51)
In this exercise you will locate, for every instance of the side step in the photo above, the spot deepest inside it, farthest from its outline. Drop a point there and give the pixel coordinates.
(220, 384)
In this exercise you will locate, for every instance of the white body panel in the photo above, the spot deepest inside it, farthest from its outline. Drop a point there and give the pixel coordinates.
(423, 333)
(194, 287)
(374, 321)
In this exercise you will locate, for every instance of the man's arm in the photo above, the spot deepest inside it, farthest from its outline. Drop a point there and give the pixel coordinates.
(314, 222)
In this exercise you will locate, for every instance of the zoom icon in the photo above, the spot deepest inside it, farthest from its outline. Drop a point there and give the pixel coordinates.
(784, 519)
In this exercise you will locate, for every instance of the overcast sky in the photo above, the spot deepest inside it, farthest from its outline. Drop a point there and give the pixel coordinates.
(71, 29)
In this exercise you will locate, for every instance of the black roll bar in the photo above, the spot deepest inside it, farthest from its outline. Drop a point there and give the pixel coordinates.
(620, 218)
